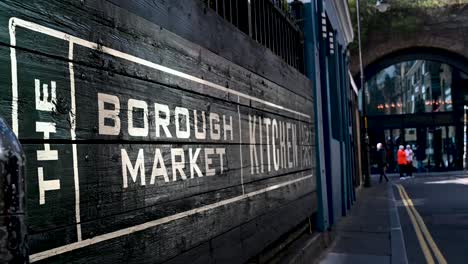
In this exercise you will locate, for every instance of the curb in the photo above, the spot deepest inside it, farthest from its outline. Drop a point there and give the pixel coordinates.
(397, 242)
(458, 173)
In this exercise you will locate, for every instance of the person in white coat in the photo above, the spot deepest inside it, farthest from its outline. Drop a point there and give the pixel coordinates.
(382, 161)
(409, 160)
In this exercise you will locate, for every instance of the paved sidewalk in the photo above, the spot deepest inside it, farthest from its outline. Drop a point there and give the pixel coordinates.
(365, 234)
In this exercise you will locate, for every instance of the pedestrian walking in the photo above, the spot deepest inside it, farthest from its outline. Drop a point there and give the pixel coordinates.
(401, 160)
(382, 161)
(420, 157)
(409, 160)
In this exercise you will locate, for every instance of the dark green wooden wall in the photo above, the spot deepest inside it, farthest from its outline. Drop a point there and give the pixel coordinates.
(70, 72)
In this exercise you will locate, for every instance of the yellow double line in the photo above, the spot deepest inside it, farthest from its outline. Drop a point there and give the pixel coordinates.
(422, 233)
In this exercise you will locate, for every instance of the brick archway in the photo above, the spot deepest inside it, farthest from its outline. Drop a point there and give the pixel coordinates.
(439, 33)
(416, 53)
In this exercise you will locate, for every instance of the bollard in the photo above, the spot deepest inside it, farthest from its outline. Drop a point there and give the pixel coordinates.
(13, 231)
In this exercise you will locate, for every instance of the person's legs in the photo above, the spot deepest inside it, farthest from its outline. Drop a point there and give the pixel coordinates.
(385, 173)
(381, 173)
(409, 169)
(400, 169)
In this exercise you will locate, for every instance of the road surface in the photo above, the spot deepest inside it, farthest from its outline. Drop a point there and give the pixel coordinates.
(433, 213)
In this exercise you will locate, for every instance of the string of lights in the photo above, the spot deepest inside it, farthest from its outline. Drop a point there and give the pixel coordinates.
(427, 102)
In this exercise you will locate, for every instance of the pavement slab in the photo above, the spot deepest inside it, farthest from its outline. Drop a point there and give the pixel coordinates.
(340, 258)
(365, 234)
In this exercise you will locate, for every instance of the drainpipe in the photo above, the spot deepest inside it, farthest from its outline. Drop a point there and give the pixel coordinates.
(13, 232)
(312, 71)
(365, 165)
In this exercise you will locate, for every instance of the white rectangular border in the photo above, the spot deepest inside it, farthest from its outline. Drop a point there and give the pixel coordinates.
(13, 23)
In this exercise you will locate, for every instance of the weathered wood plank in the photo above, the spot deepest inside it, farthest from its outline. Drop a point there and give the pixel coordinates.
(106, 200)
(175, 237)
(190, 20)
(251, 237)
(91, 82)
(167, 49)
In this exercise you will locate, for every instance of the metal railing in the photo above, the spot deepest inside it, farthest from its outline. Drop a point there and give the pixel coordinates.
(269, 22)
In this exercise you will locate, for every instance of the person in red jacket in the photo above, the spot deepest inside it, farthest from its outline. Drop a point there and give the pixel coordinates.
(401, 159)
